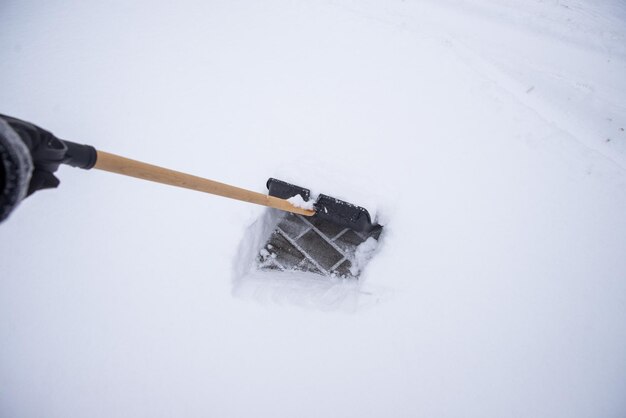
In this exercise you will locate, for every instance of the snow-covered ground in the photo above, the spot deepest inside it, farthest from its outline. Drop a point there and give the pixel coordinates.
(487, 135)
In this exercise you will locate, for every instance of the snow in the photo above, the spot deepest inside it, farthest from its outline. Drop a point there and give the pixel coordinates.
(363, 255)
(485, 135)
(299, 202)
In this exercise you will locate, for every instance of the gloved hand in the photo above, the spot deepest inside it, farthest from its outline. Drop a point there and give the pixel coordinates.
(46, 151)
(29, 155)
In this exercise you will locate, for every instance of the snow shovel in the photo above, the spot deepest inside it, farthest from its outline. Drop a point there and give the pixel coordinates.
(322, 240)
(326, 207)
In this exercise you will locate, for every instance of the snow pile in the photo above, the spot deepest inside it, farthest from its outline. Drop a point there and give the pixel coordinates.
(363, 255)
(299, 202)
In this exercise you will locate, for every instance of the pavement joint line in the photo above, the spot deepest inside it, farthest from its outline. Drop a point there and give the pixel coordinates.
(338, 263)
(324, 237)
(336, 237)
(280, 266)
(299, 248)
(302, 234)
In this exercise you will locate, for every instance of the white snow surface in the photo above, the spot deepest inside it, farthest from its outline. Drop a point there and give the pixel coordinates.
(363, 254)
(486, 135)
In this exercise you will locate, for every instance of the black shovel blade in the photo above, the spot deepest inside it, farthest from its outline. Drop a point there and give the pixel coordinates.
(327, 208)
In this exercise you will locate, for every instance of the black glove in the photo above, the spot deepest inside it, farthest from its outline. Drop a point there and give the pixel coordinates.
(46, 152)
(29, 156)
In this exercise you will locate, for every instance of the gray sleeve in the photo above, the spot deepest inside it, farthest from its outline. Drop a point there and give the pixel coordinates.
(16, 168)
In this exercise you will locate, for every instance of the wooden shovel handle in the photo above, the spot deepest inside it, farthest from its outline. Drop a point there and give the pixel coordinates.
(121, 165)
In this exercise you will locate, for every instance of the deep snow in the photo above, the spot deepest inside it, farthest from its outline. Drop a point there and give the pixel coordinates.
(488, 137)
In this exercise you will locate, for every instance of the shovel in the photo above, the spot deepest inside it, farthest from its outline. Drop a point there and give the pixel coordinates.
(326, 208)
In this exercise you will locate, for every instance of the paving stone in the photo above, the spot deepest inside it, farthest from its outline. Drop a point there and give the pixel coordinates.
(344, 269)
(286, 254)
(293, 225)
(348, 241)
(327, 228)
(320, 250)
